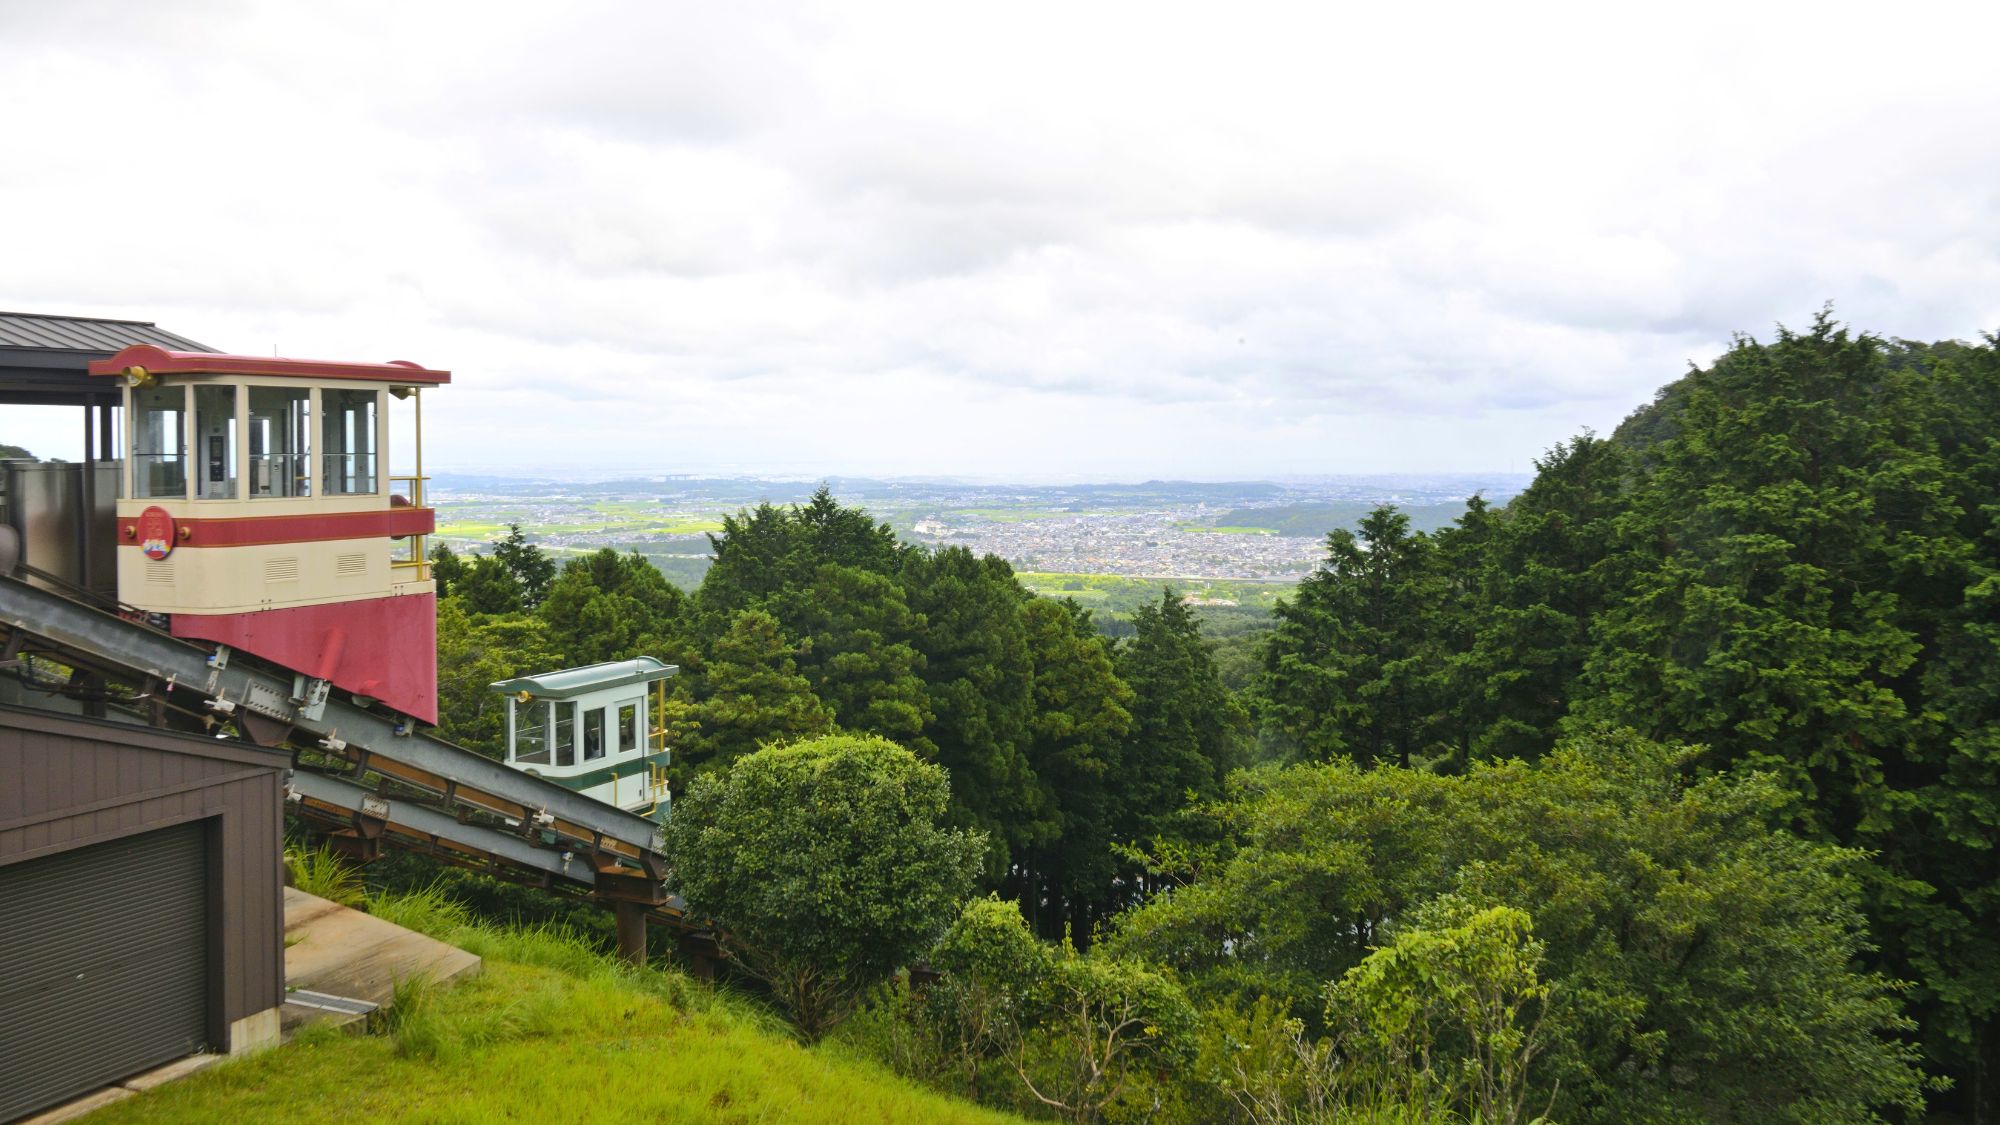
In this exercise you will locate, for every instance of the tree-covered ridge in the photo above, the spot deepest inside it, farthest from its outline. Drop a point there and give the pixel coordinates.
(1063, 747)
(1790, 558)
(1665, 792)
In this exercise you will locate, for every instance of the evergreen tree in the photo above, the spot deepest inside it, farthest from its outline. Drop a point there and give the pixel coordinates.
(1352, 668)
(446, 568)
(1185, 726)
(473, 654)
(770, 551)
(1081, 715)
(978, 677)
(1805, 596)
(752, 696)
(1550, 567)
(860, 653)
(486, 586)
(529, 564)
(1951, 940)
(608, 606)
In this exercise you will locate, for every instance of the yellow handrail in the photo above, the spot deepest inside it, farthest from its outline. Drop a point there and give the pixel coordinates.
(419, 556)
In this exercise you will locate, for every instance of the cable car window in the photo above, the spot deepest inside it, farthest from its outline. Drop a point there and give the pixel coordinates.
(215, 443)
(593, 733)
(565, 734)
(280, 447)
(347, 440)
(628, 726)
(531, 732)
(159, 442)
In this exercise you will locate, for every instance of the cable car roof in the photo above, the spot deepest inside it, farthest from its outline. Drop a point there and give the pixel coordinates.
(160, 361)
(572, 682)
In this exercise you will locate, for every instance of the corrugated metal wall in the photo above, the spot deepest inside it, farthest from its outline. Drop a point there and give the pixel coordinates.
(66, 783)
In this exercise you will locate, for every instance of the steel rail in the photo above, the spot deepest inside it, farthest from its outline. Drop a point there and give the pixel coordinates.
(372, 740)
(412, 819)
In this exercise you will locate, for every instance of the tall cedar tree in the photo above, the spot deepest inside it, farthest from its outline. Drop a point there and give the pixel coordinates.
(1351, 669)
(486, 586)
(762, 553)
(979, 679)
(1186, 725)
(530, 565)
(1545, 576)
(861, 655)
(1081, 715)
(752, 695)
(608, 606)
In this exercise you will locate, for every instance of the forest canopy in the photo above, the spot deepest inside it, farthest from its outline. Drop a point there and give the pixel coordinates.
(1694, 745)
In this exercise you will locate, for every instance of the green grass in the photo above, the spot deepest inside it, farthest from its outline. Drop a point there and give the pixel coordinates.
(550, 1031)
(1120, 594)
(484, 522)
(472, 530)
(683, 525)
(320, 871)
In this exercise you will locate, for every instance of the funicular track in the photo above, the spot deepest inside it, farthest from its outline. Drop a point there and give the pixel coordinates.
(369, 778)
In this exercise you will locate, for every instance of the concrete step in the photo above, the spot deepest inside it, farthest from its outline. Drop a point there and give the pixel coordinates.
(344, 953)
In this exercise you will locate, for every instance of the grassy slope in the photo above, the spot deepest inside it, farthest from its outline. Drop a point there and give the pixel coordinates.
(550, 1032)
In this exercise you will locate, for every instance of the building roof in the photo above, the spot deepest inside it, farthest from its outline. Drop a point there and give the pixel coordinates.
(161, 361)
(45, 360)
(86, 334)
(572, 682)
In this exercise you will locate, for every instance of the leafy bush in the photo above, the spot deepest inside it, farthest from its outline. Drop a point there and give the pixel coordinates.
(825, 866)
(1701, 960)
(1447, 1014)
(1015, 1022)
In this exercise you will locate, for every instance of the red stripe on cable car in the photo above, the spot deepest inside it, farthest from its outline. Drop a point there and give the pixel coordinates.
(255, 531)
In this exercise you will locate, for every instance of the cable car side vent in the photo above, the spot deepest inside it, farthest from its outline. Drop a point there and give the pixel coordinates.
(159, 572)
(351, 566)
(281, 570)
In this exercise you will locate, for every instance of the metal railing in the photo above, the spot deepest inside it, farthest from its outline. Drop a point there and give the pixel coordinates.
(416, 548)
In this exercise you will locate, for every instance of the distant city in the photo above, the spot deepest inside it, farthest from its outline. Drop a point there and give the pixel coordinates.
(1261, 532)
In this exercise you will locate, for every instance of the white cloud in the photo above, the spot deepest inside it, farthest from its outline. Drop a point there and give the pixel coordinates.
(1120, 240)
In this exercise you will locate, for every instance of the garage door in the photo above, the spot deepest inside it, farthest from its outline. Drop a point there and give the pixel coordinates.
(103, 965)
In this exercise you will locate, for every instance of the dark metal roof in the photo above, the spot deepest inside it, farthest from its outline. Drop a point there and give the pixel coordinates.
(87, 334)
(46, 359)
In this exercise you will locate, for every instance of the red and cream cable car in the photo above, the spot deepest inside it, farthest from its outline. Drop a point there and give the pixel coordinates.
(256, 512)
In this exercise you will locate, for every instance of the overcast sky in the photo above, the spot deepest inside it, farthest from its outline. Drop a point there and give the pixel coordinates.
(1024, 241)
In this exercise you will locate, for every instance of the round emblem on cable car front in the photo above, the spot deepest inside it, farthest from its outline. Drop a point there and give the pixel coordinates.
(156, 532)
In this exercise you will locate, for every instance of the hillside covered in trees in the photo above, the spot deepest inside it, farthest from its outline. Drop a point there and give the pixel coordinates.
(1668, 791)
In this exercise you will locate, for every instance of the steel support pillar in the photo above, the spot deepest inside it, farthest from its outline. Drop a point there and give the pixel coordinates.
(632, 932)
(699, 951)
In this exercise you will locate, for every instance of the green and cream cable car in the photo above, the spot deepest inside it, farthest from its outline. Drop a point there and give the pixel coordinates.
(599, 730)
